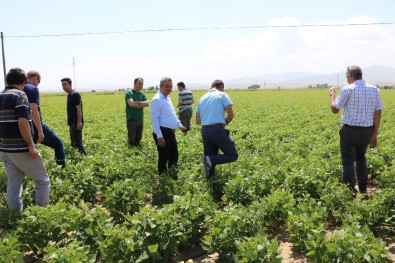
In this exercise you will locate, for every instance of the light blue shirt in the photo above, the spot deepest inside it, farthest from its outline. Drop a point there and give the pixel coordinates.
(359, 101)
(211, 107)
(163, 114)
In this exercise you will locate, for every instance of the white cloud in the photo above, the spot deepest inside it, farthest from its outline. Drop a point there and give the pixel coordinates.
(314, 49)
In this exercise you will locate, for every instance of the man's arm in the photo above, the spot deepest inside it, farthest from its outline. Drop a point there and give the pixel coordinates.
(79, 117)
(376, 125)
(229, 114)
(179, 103)
(37, 121)
(138, 104)
(198, 121)
(24, 128)
(332, 97)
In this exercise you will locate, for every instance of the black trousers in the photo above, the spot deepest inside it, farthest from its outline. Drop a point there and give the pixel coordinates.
(354, 142)
(168, 155)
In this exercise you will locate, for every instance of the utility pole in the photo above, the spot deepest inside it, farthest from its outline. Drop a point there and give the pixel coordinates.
(74, 77)
(2, 49)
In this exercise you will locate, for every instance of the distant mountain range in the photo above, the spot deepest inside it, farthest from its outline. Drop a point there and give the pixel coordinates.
(376, 75)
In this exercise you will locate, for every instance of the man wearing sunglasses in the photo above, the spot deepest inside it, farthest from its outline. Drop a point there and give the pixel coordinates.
(362, 105)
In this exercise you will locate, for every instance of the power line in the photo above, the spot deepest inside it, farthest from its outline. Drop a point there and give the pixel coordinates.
(198, 28)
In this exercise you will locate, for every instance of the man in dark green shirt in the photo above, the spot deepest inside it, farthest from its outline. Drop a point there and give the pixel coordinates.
(135, 100)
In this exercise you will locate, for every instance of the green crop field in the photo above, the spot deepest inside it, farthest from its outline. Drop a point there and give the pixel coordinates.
(111, 206)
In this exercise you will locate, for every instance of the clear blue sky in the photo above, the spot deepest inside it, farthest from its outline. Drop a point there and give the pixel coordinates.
(111, 61)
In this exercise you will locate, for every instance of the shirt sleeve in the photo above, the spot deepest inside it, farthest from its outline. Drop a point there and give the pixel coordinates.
(226, 100)
(22, 109)
(155, 114)
(76, 99)
(341, 100)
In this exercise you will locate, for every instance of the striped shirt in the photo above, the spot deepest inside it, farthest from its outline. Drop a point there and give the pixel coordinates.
(359, 101)
(186, 97)
(13, 105)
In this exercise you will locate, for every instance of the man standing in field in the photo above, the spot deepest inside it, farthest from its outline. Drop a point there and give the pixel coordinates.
(185, 101)
(75, 117)
(210, 114)
(165, 122)
(42, 133)
(361, 104)
(17, 149)
(136, 100)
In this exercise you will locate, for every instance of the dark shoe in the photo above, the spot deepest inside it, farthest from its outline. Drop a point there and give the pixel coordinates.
(61, 163)
(82, 150)
(207, 168)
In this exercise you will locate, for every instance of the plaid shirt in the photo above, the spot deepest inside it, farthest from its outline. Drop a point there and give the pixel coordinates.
(359, 101)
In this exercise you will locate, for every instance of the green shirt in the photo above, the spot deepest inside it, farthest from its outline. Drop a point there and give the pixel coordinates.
(134, 114)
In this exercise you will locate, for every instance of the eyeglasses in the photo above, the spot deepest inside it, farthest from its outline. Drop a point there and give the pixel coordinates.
(348, 73)
(38, 79)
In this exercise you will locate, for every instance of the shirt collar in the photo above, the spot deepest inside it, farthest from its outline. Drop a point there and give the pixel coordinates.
(11, 87)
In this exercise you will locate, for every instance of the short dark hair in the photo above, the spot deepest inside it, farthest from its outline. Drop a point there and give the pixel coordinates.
(181, 84)
(137, 79)
(67, 79)
(217, 83)
(355, 72)
(15, 76)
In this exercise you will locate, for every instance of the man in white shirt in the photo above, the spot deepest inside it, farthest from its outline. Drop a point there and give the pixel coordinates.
(165, 122)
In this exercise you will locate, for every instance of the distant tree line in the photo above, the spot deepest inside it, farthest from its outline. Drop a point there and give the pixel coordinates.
(319, 86)
(255, 86)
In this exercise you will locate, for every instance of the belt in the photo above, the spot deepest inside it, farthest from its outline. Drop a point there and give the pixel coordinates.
(214, 125)
(357, 127)
(167, 129)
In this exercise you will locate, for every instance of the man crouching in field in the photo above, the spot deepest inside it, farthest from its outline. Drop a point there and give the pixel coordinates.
(361, 120)
(17, 149)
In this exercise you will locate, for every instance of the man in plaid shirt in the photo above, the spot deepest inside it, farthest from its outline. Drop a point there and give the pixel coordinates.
(362, 105)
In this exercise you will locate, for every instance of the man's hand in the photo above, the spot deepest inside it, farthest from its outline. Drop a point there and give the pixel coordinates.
(79, 126)
(332, 91)
(183, 129)
(161, 142)
(34, 152)
(373, 142)
(40, 137)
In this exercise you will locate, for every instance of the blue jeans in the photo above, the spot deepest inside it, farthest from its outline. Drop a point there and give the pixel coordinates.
(53, 141)
(215, 139)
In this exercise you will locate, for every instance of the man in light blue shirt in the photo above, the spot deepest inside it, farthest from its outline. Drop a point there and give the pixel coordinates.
(210, 114)
(165, 122)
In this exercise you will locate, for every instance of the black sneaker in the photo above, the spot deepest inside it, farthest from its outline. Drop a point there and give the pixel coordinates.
(82, 150)
(206, 167)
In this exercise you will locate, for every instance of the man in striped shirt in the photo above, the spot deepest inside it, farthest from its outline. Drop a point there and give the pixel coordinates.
(17, 149)
(185, 101)
(362, 105)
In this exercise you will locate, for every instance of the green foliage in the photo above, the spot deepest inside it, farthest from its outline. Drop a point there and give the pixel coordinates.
(74, 252)
(306, 223)
(234, 223)
(257, 249)
(124, 197)
(10, 249)
(111, 206)
(354, 244)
